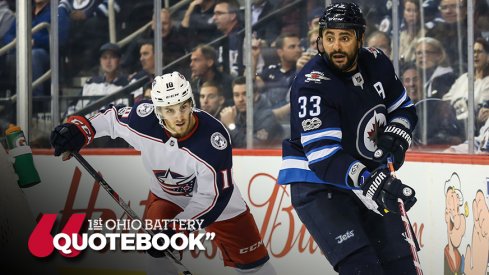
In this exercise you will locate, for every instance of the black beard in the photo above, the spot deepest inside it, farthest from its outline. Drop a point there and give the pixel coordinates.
(349, 64)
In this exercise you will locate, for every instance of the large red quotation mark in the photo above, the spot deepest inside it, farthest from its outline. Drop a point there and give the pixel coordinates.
(41, 241)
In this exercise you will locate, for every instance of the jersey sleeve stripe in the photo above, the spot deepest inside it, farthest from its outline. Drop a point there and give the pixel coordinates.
(398, 102)
(331, 134)
(407, 104)
(322, 153)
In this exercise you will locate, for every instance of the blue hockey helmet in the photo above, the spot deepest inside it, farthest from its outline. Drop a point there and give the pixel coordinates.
(343, 16)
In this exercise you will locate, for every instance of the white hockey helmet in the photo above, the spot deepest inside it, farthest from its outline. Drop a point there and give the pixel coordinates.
(170, 89)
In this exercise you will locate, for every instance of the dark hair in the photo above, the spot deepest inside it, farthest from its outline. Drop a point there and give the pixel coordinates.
(142, 42)
(233, 5)
(241, 80)
(279, 41)
(208, 52)
(485, 45)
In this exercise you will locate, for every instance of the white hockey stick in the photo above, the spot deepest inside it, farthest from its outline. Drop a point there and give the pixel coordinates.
(407, 225)
(183, 270)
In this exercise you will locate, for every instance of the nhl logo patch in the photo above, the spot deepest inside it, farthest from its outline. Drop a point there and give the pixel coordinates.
(218, 141)
(144, 109)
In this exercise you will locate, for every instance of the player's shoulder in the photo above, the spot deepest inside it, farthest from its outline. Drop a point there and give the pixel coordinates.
(211, 140)
(371, 56)
(208, 125)
(142, 118)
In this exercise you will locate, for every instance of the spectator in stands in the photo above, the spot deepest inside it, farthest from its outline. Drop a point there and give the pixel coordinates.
(203, 65)
(110, 81)
(6, 17)
(311, 50)
(431, 60)
(211, 98)
(481, 17)
(226, 16)
(411, 30)
(380, 40)
(292, 17)
(441, 128)
(481, 140)
(41, 12)
(90, 27)
(175, 43)
(198, 19)
(269, 30)
(452, 32)
(146, 58)
(412, 82)
(267, 132)
(458, 93)
(278, 77)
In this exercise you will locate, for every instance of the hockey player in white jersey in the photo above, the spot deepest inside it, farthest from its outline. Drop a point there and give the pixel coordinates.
(188, 155)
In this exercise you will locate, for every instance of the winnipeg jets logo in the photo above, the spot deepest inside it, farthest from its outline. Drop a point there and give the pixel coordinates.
(369, 128)
(315, 76)
(357, 80)
(174, 183)
(144, 109)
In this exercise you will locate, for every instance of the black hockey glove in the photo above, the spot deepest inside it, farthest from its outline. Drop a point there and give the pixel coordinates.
(156, 253)
(72, 136)
(395, 141)
(384, 190)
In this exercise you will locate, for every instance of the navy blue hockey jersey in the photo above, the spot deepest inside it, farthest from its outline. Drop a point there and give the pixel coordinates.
(194, 172)
(336, 117)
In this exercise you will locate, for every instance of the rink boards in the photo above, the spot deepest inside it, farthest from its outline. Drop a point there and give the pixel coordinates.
(451, 218)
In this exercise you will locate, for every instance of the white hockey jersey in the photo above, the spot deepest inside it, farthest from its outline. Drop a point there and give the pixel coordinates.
(194, 172)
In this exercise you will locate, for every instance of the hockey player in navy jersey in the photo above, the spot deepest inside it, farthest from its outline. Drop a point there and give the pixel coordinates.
(188, 156)
(347, 104)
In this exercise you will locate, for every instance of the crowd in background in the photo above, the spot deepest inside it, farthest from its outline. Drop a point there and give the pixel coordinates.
(432, 59)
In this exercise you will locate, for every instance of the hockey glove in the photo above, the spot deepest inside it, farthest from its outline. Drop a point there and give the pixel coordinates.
(156, 253)
(72, 136)
(384, 189)
(395, 141)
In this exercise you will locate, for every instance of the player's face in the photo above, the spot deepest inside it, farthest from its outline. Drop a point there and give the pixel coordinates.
(239, 97)
(178, 118)
(210, 100)
(341, 46)
(109, 62)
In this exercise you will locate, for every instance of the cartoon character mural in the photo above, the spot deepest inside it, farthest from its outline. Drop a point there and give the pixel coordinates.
(455, 220)
(477, 254)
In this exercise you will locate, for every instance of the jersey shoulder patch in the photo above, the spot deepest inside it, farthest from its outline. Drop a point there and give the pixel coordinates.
(218, 141)
(144, 109)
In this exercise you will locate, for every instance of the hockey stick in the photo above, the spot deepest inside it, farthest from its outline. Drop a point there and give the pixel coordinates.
(407, 225)
(183, 270)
